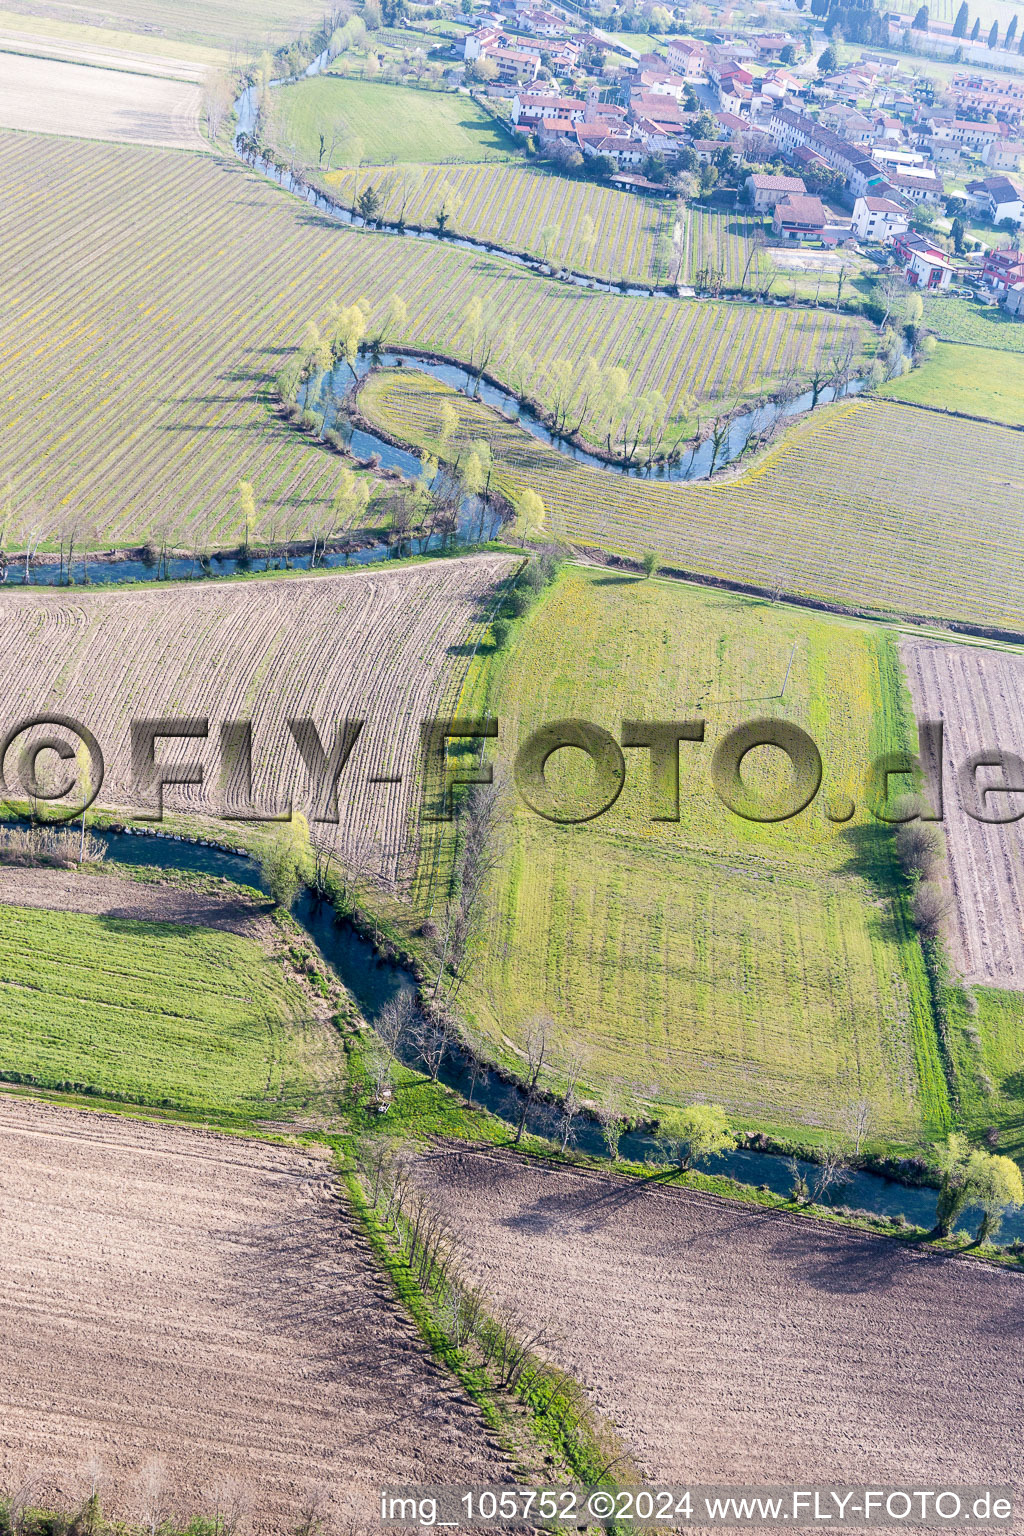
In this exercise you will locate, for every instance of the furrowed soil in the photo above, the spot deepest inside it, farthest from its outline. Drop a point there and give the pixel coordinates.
(977, 694)
(57, 890)
(173, 1299)
(736, 1345)
(380, 646)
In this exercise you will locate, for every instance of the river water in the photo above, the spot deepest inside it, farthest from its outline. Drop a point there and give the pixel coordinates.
(374, 981)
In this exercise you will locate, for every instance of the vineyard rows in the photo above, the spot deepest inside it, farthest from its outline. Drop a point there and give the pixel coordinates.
(861, 503)
(603, 232)
(150, 297)
(719, 242)
(372, 646)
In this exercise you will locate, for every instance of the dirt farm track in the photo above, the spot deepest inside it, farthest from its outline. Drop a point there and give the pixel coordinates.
(736, 1345)
(198, 1302)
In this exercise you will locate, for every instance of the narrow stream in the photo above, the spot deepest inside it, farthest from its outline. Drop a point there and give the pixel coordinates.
(373, 982)
(694, 461)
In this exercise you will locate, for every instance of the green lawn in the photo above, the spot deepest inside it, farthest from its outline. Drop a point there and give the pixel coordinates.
(989, 1047)
(978, 380)
(381, 124)
(960, 320)
(767, 967)
(152, 1013)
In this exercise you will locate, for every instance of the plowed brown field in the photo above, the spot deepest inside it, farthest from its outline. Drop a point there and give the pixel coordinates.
(737, 1345)
(175, 1299)
(978, 694)
(381, 646)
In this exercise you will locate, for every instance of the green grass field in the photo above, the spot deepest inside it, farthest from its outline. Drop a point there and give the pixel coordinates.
(598, 230)
(137, 391)
(767, 967)
(382, 124)
(978, 380)
(959, 320)
(993, 1065)
(860, 503)
(152, 1013)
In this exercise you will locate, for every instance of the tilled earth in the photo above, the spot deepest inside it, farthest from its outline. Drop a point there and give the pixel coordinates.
(195, 1312)
(737, 1345)
(976, 693)
(58, 890)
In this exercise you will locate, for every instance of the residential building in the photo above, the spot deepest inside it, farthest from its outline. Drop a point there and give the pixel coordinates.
(1003, 268)
(513, 64)
(878, 219)
(542, 23)
(1003, 155)
(925, 266)
(998, 198)
(1014, 301)
(920, 186)
(535, 106)
(594, 139)
(688, 58)
(800, 218)
(792, 130)
(766, 191)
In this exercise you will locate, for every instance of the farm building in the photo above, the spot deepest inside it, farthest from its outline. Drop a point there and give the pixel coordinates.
(800, 218)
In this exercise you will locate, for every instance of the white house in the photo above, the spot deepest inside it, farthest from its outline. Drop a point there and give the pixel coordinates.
(876, 218)
(925, 266)
(998, 197)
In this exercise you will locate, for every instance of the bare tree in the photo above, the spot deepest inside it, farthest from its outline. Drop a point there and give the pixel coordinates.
(396, 1023)
(573, 1066)
(535, 1047)
(833, 1166)
(153, 1496)
(618, 1106)
(856, 1119)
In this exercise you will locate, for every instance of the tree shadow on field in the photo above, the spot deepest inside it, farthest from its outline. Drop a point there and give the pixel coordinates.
(618, 581)
(588, 1208)
(847, 1263)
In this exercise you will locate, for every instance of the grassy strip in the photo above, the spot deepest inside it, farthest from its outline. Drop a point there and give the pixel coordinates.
(20, 1519)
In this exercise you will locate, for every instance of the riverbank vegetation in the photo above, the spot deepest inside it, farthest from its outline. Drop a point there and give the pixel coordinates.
(145, 431)
(859, 504)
